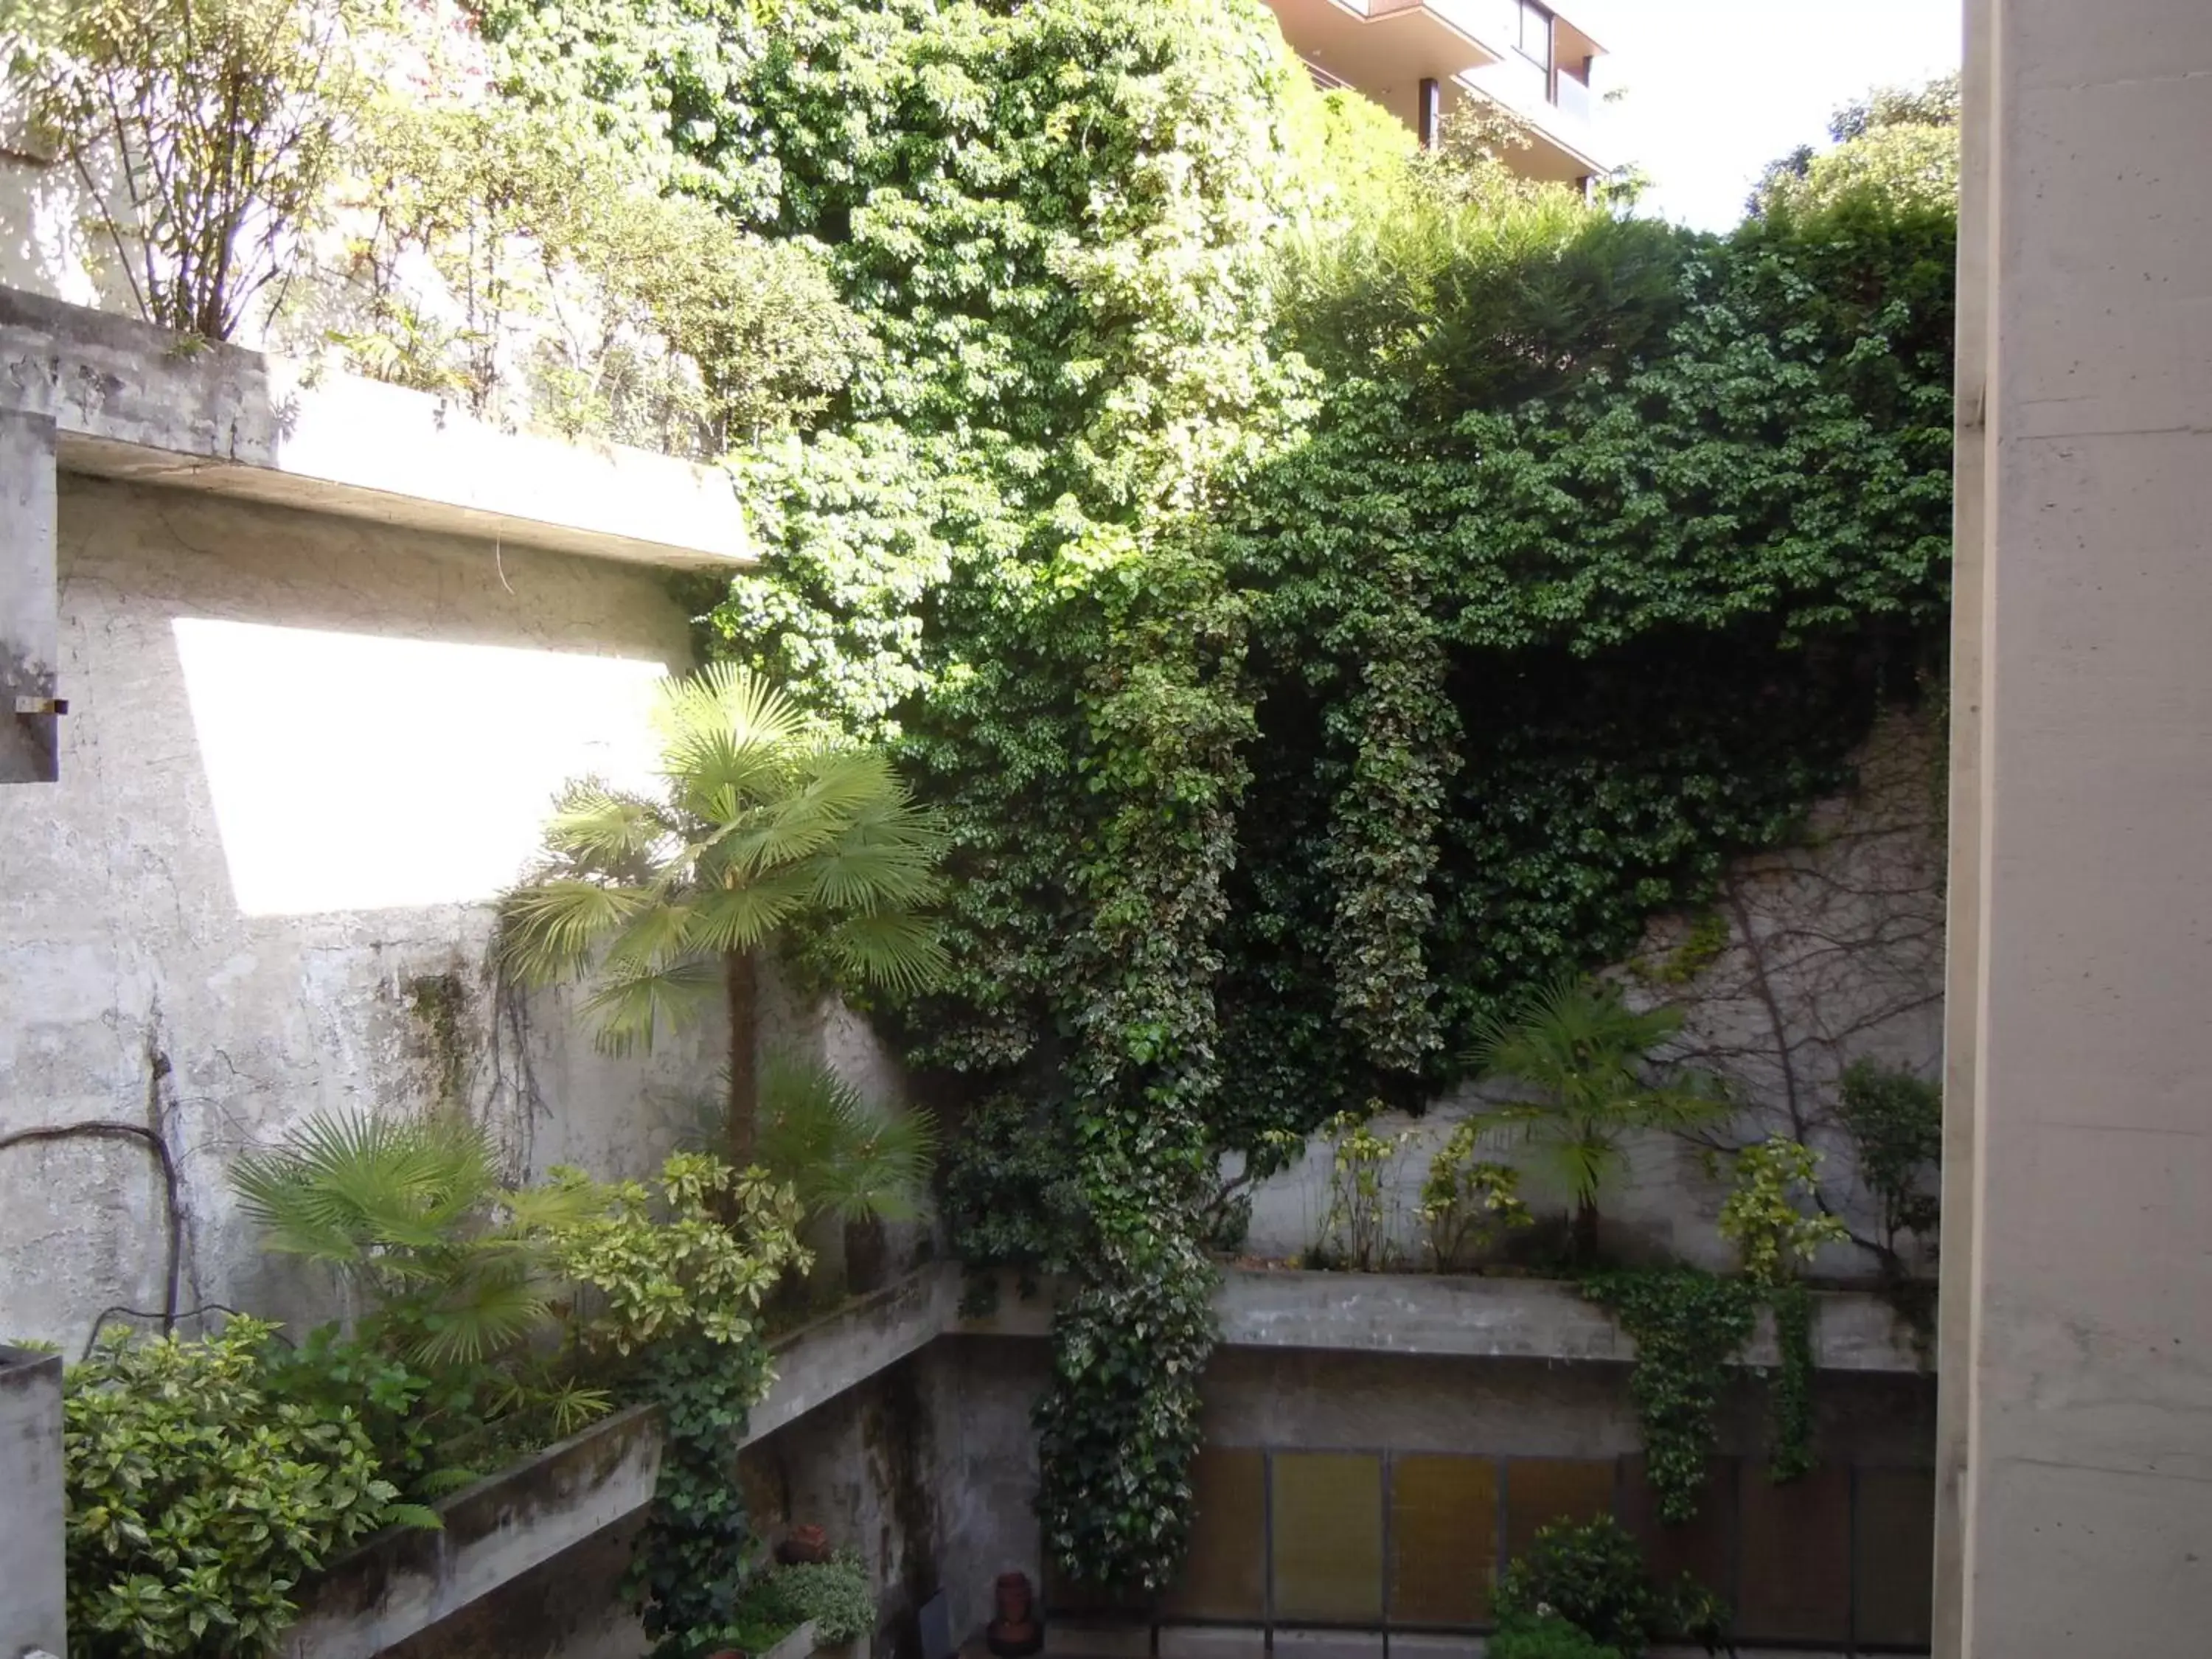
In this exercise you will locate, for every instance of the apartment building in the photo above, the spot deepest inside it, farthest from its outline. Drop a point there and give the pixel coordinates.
(1423, 59)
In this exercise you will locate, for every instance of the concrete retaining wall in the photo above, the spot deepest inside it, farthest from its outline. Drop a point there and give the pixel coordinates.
(403, 1582)
(34, 1604)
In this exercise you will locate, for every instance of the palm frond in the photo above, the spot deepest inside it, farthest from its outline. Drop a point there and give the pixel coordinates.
(344, 1189)
(655, 933)
(811, 818)
(609, 830)
(741, 917)
(728, 736)
(843, 1155)
(631, 1008)
(886, 859)
(550, 930)
(484, 1312)
(899, 951)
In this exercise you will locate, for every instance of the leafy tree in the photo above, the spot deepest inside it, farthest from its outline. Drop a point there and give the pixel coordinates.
(655, 321)
(1763, 1217)
(1897, 144)
(761, 833)
(1586, 1055)
(206, 132)
(1895, 1122)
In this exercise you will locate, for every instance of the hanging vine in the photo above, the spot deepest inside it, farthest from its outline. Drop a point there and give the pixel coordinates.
(1325, 593)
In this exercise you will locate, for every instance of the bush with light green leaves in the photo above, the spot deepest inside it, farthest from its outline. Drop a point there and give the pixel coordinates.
(200, 1498)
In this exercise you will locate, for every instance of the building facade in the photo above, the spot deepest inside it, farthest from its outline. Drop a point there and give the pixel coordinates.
(1425, 61)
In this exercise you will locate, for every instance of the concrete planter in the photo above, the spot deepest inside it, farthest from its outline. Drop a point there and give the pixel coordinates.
(33, 1590)
(406, 1580)
(1468, 1316)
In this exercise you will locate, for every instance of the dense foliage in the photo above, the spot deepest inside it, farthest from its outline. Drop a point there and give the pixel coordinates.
(199, 1497)
(1589, 1577)
(1327, 592)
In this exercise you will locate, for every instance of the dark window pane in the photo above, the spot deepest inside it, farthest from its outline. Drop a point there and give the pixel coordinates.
(1796, 1583)
(1895, 1533)
(1328, 1538)
(1541, 1490)
(1226, 1576)
(1443, 1540)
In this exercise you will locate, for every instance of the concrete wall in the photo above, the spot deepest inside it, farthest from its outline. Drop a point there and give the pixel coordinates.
(33, 1609)
(496, 1533)
(2083, 1356)
(1829, 950)
(303, 754)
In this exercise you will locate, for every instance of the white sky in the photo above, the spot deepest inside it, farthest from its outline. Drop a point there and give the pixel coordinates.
(1716, 88)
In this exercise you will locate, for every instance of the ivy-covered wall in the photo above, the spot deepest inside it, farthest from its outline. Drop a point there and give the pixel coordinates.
(1329, 591)
(1812, 955)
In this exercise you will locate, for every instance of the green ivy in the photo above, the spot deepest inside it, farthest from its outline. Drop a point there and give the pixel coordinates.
(1327, 594)
(1688, 1327)
(1791, 1426)
(696, 1554)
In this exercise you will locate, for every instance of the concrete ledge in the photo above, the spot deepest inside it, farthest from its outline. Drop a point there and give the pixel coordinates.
(1469, 1318)
(34, 1591)
(135, 402)
(817, 1362)
(406, 1580)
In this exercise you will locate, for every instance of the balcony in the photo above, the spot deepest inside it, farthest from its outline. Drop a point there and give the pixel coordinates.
(1383, 48)
(1501, 50)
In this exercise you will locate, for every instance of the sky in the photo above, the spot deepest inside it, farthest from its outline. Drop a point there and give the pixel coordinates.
(1716, 88)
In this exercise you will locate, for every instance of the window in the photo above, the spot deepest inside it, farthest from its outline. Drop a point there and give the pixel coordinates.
(1535, 42)
(1414, 1541)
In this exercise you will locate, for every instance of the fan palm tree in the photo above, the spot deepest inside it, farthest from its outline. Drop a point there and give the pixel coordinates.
(1584, 1056)
(845, 1158)
(412, 1212)
(760, 834)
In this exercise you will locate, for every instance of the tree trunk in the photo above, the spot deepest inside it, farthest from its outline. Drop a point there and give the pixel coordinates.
(1585, 1233)
(741, 976)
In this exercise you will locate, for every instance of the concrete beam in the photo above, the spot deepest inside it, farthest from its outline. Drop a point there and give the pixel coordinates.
(1453, 1317)
(2075, 1448)
(406, 1580)
(131, 401)
(817, 1362)
(30, 607)
(33, 1601)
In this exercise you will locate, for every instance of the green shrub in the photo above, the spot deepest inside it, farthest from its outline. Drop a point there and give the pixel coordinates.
(200, 1500)
(1591, 1576)
(835, 1594)
(1546, 1637)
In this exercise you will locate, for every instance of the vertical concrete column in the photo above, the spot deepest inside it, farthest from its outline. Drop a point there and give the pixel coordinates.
(34, 1604)
(2077, 1325)
(30, 633)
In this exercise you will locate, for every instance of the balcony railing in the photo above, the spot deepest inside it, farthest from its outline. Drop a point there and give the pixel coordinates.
(1323, 79)
(1574, 97)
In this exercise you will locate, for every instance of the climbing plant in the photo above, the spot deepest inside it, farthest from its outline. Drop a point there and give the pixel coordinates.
(1325, 593)
(1688, 1326)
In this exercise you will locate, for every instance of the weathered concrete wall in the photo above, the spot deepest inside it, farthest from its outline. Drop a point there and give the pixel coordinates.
(1309, 1399)
(303, 754)
(864, 1468)
(33, 1609)
(1813, 955)
(2079, 1328)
